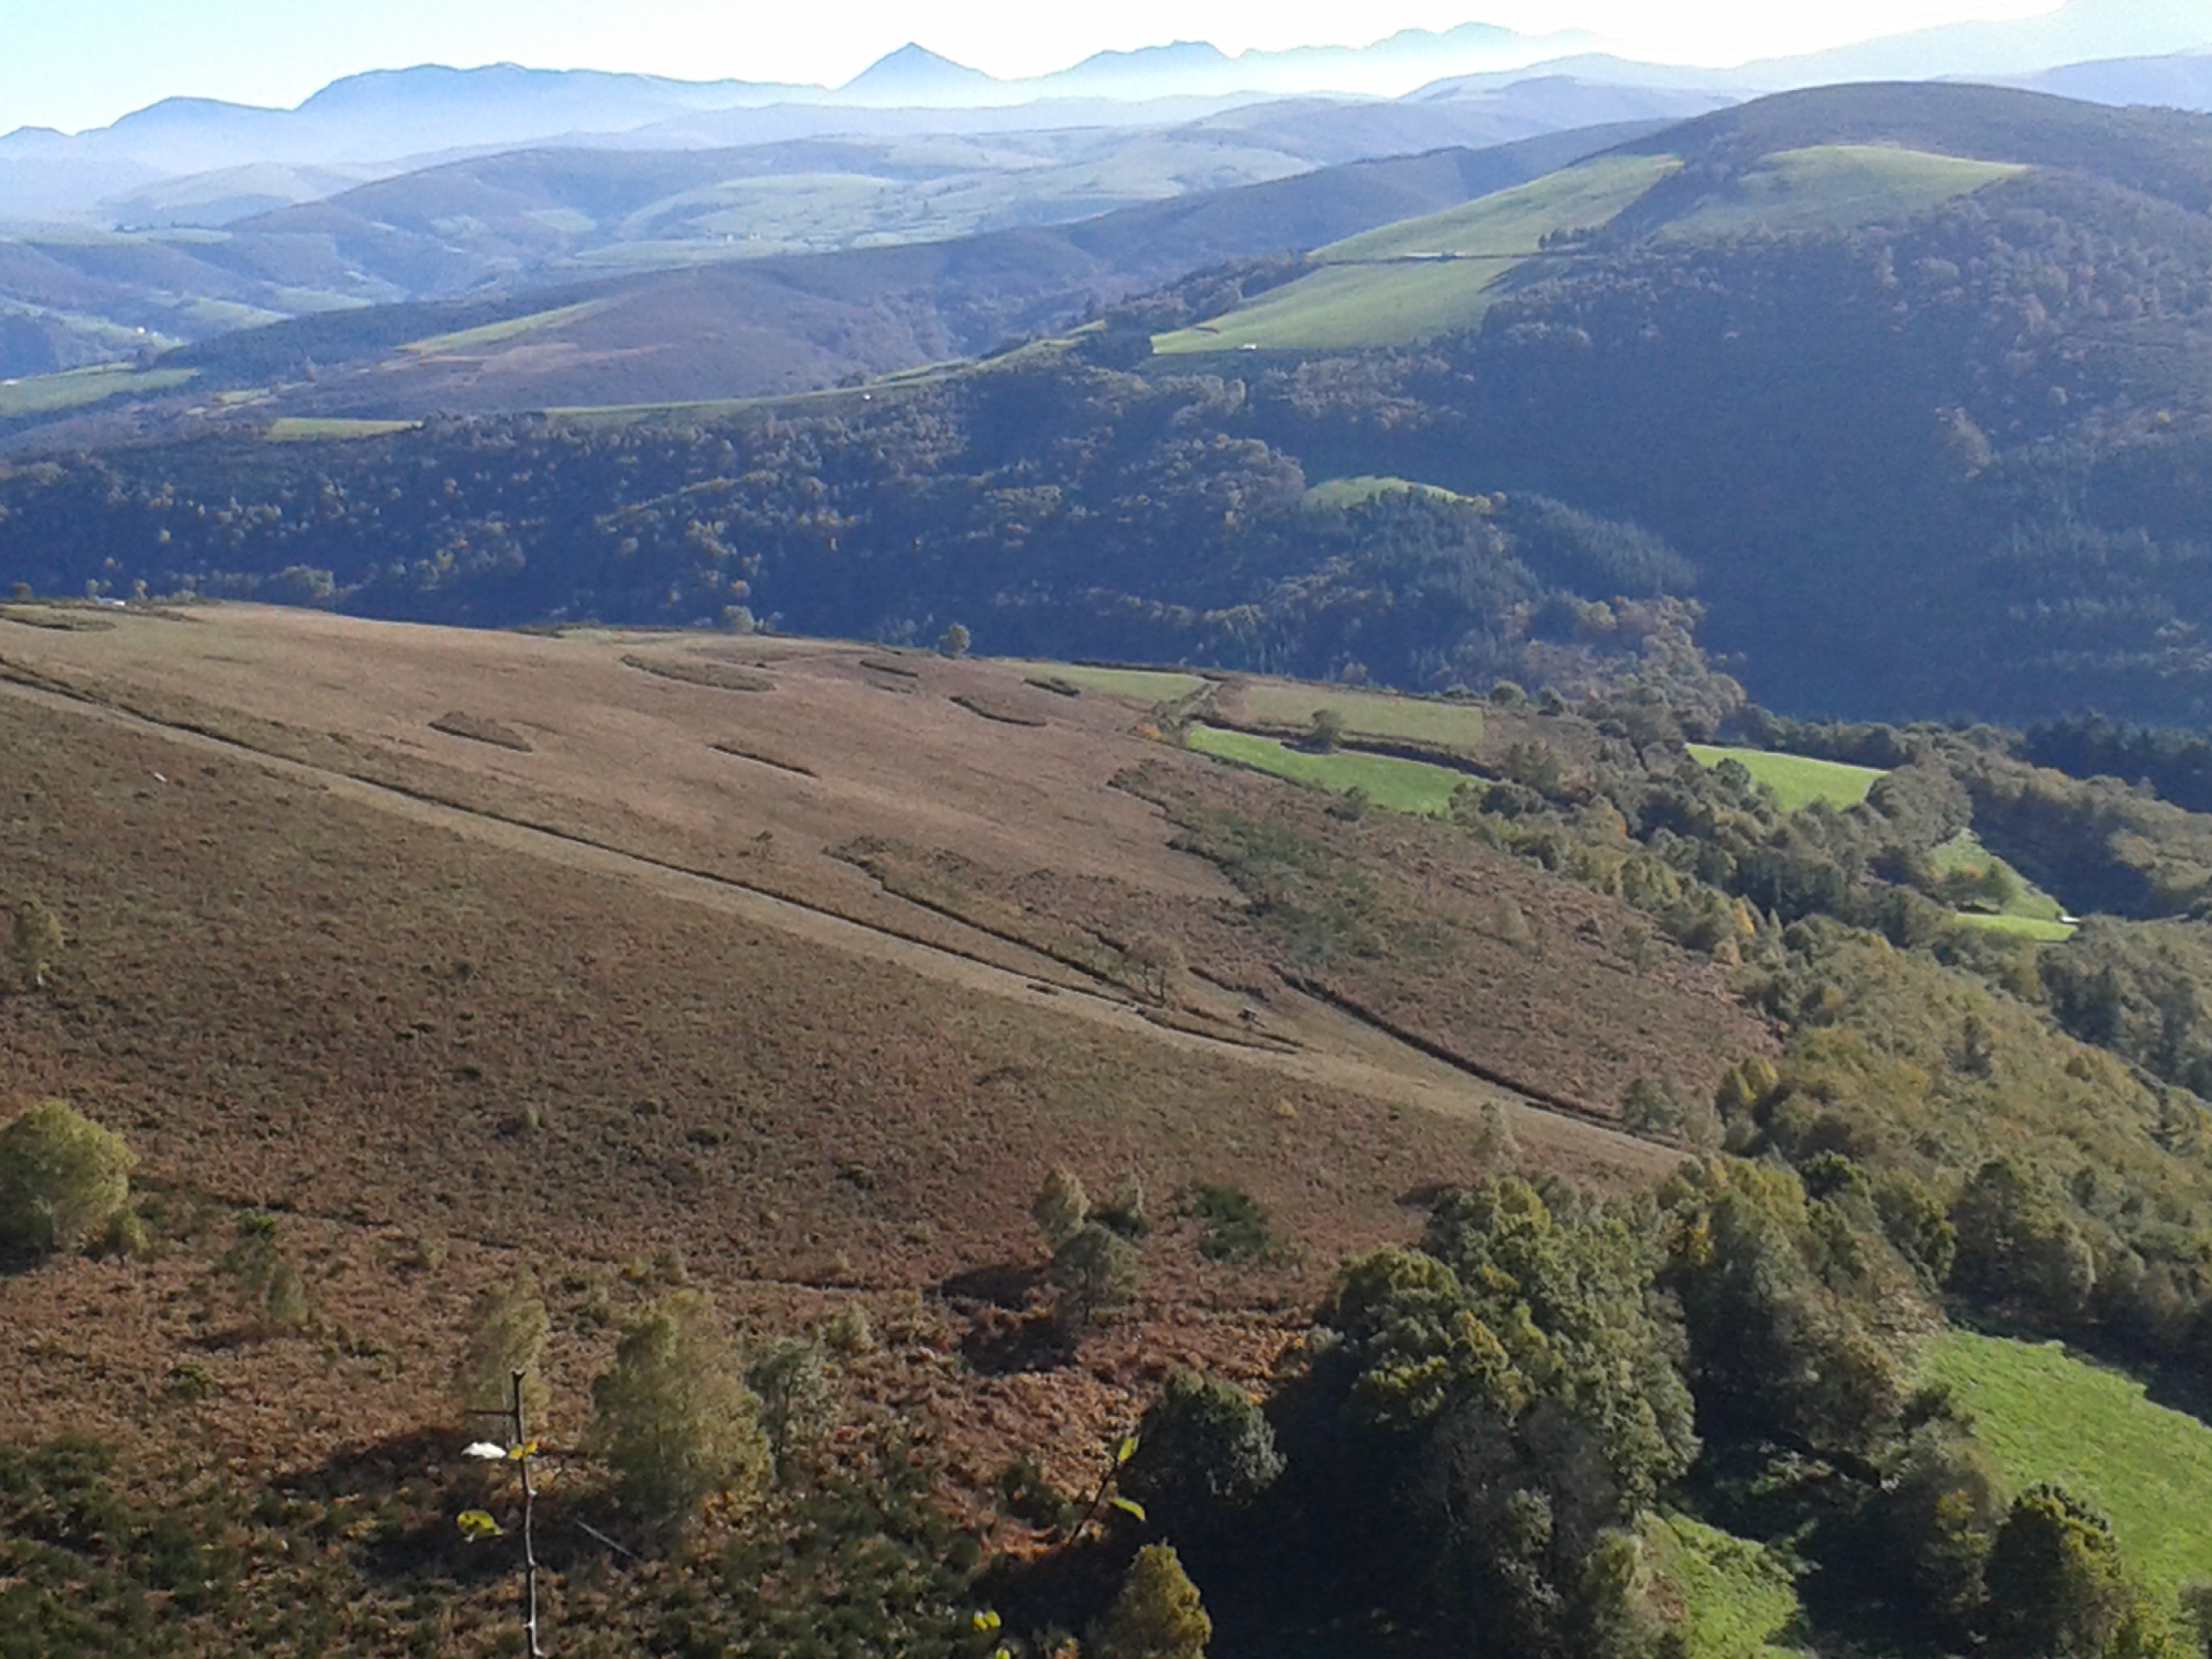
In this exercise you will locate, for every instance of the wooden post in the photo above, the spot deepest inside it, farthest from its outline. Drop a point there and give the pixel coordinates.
(521, 1443)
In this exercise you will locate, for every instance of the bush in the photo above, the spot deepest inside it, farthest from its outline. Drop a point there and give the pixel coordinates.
(1094, 1273)
(1061, 1207)
(275, 1294)
(34, 938)
(674, 1423)
(61, 1177)
(1157, 1616)
(787, 1378)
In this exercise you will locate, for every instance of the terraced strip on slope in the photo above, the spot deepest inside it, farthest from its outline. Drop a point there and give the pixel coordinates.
(1425, 277)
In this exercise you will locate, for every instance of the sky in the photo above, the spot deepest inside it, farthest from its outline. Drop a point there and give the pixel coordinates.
(78, 63)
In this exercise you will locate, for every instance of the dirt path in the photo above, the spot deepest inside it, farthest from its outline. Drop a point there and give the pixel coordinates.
(1333, 1050)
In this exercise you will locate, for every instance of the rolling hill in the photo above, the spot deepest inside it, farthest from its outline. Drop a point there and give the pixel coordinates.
(745, 328)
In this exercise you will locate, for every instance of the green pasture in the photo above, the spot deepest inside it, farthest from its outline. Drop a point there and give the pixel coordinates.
(1738, 1601)
(1511, 224)
(49, 394)
(2045, 1414)
(1145, 685)
(1837, 186)
(2015, 904)
(1795, 780)
(305, 430)
(1399, 786)
(1366, 714)
(493, 333)
(1424, 277)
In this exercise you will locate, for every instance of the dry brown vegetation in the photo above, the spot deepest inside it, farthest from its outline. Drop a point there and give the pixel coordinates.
(625, 999)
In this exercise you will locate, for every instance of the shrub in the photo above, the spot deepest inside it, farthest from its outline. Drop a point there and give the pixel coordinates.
(1237, 1225)
(275, 1294)
(34, 938)
(673, 1420)
(1157, 1616)
(1328, 730)
(507, 1333)
(850, 1331)
(61, 1177)
(1061, 1207)
(954, 641)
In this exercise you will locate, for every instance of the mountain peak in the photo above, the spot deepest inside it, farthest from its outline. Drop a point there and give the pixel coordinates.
(915, 73)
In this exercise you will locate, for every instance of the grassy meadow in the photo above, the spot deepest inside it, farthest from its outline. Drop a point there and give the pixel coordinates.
(1366, 714)
(1795, 780)
(306, 429)
(1145, 685)
(1424, 277)
(494, 333)
(1836, 187)
(49, 394)
(2045, 1414)
(1737, 1600)
(1399, 786)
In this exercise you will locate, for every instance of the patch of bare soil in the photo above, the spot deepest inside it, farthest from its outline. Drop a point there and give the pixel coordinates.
(1000, 709)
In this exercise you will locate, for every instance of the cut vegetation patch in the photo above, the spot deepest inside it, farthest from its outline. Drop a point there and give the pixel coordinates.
(478, 729)
(691, 670)
(1145, 685)
(993, 709)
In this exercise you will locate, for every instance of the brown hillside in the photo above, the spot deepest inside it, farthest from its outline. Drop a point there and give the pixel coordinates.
(631, 992)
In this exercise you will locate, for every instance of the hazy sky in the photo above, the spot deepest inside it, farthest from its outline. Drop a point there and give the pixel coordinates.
(78, 63)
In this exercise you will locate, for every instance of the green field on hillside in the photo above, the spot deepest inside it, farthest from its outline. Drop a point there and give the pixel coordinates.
(1737, 1600)
(1366, 714)
(1424, 277)
(1145, 685)
(493, 334)
(1399, 786)
(49, 394)
(2046, 1415)
(2014, 905)
(301, 430)
(1836, 188)
(1795, 780)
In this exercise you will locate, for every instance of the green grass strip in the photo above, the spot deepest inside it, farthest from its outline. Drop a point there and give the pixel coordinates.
(1399, 786)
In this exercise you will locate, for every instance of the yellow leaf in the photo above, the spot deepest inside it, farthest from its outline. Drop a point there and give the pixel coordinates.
(475, 1524)
(1126, 1450)
(528, 1449)
(1129, 1506)
(985, 1620)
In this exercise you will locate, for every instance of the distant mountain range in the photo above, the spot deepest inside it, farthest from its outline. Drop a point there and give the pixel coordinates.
(389, 121)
